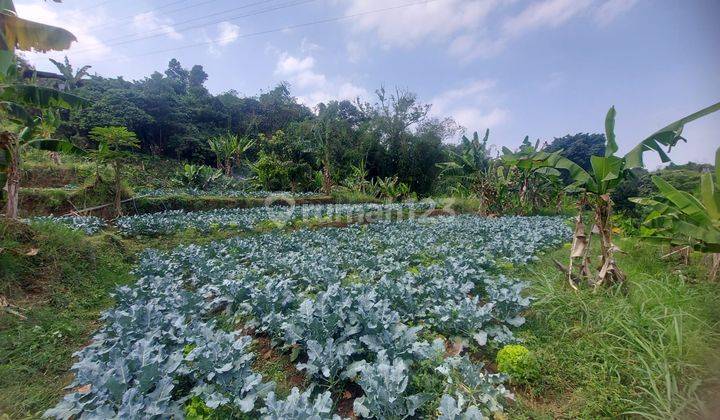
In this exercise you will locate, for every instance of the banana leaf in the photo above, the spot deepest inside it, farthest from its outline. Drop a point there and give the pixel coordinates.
(708, 194)
(610, 143)
(54, 145)
(667, 136)
(683, 201)
(40, 97)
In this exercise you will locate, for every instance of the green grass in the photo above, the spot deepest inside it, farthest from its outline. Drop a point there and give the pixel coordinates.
(648, 349)
(61, 290)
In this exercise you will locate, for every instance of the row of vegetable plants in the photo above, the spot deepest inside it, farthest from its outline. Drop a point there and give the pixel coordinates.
(361, 304)
(172, 221)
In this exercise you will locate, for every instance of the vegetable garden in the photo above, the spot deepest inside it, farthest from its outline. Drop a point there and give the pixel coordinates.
(361, 304)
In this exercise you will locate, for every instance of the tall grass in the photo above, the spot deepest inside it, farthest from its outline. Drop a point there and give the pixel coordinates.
(648, 349)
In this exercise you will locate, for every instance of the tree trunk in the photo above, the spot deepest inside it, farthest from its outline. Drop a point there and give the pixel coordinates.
(118, 190)
(609, 271)
(327, 181)
(228, 168)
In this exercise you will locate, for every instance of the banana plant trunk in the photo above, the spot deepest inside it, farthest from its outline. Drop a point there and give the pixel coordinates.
(609, 272)
(9, 142)
(118, 189)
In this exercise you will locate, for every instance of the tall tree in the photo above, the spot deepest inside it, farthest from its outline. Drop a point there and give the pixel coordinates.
(579, 147)
(113, 145)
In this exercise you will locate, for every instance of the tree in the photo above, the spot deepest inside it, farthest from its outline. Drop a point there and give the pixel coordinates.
(465, 166)
(229, 147)
(678, 218)
(28, 112)
(197, 76)
(113, 145)
(72, 79)
(596, 186)
(538, 183)
(579, 147)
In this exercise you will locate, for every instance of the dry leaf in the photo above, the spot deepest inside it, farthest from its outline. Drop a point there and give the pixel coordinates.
(32, 252)
(83, 389)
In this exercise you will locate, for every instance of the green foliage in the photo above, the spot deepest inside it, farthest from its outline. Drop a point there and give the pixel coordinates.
(644, 349)
(271, 174)
(196, 409)
(227, 148)
(113, 142)
(518, 362)
(199, 177)
(61, 291)
(579, 147)
(679, 218)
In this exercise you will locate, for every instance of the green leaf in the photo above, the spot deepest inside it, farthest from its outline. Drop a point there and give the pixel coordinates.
(710, 198)
(667, 136)
(611, 146)
(606, 171)
(53, 145)
(41, 97)
(717, 167)
(684, 202)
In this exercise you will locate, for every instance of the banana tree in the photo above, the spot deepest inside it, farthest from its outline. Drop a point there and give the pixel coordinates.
(596, 185)
(463, 169)
(538, 182)
(72, 78)
(229, 147)
(678, 218)
(27, 112)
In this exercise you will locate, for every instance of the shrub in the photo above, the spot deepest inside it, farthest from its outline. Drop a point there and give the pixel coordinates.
(518, 362)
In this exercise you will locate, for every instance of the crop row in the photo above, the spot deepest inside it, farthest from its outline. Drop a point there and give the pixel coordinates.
(168, 222)
(223, 192)
(362, 303)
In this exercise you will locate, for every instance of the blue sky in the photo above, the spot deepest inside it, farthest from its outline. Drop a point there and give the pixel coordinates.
(542, 68)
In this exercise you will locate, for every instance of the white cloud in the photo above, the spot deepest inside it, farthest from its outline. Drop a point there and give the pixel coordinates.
(407, 26)
(314, 87)
(546, 13)
(227, 33)
(288, 64)
(307, 46)
(356, 51)
(608, 11)
(150, 22)
(475, 119)
(471, 105)
(471, 29)
(88, 47)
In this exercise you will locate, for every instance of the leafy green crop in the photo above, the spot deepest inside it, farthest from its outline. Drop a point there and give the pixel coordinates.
(161, 347)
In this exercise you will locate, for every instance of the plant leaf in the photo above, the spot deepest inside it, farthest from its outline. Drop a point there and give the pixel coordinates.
(667, 136)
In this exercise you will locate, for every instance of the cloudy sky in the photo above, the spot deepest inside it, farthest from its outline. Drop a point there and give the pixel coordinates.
(543, 68)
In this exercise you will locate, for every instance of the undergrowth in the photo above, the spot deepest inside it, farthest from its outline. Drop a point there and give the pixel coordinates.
(60, 281)
(648, 349)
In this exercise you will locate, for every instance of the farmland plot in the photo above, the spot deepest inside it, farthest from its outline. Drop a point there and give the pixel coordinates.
(363, 304)
(168, 222)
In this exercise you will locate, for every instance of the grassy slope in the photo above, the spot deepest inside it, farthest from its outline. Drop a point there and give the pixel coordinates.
(62, 290)
(648, 350)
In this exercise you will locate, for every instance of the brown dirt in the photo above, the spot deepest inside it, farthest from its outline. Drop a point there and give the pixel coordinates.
(266, 354)
(346, 398)
(48, 177)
